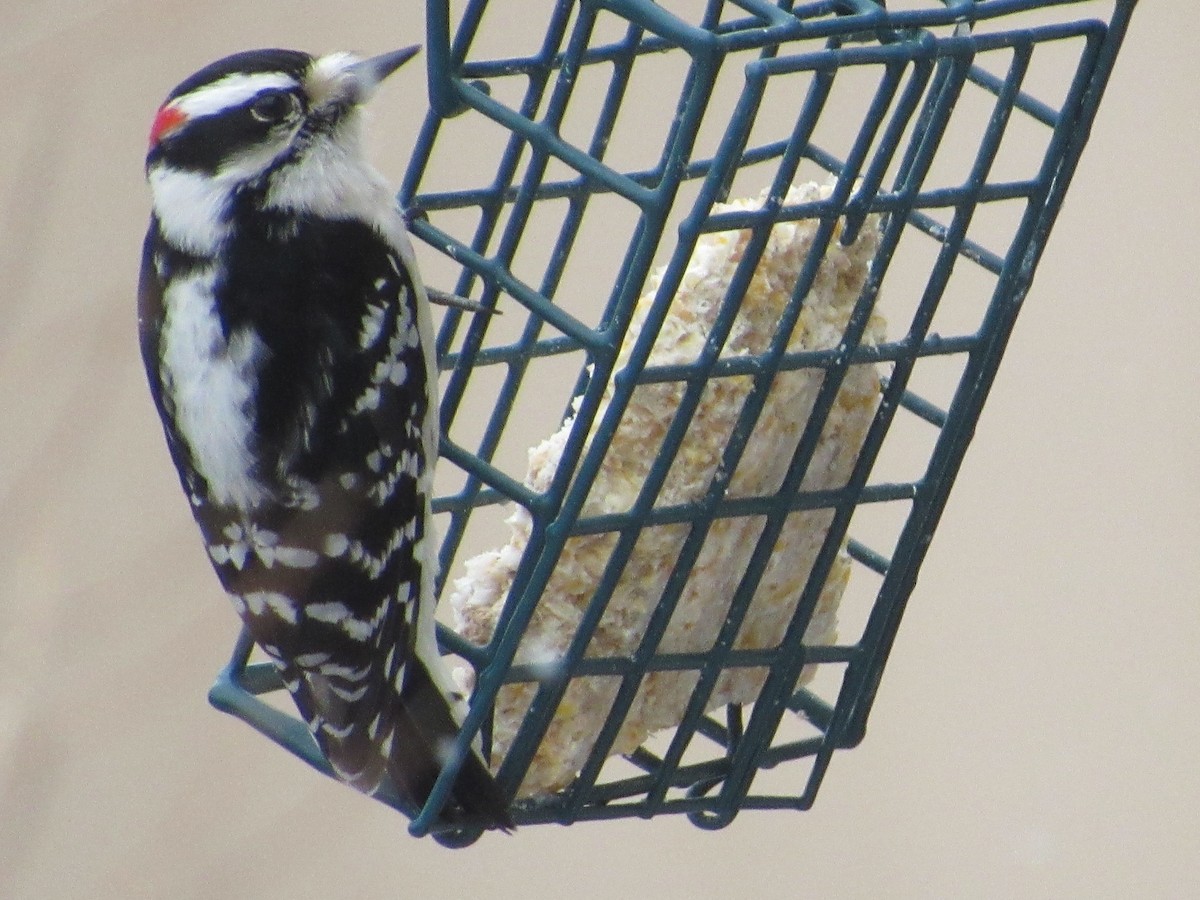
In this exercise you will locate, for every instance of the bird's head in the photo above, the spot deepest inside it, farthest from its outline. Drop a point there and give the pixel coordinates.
(252, 111)
(277, 120)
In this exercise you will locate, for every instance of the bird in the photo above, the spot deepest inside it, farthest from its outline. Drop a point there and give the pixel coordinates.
(288, 344)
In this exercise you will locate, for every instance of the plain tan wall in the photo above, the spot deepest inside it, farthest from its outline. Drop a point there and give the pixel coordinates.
(1035, 735)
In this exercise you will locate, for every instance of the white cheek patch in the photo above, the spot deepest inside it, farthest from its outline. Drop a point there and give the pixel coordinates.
(191, 208)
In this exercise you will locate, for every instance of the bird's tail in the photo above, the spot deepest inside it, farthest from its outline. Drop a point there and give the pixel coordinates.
(371, 731)
(426, 728)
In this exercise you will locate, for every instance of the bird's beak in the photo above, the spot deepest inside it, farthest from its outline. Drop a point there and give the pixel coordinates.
(343, 80)
(370, 72)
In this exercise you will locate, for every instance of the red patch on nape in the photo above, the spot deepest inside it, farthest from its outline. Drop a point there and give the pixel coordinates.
(168, 119)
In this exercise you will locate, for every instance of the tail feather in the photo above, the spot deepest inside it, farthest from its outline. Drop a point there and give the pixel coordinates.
(425, 729)
(416, 727)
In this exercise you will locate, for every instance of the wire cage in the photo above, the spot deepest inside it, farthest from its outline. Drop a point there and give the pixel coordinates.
(552, 173)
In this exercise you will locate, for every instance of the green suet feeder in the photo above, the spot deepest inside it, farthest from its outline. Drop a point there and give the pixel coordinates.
(690, 604)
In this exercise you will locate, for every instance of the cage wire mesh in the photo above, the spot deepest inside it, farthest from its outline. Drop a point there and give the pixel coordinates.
(562, 158)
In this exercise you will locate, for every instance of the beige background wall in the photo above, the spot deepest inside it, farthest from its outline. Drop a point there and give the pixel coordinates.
(1036, 732)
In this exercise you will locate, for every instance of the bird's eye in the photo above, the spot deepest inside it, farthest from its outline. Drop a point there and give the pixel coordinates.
(274, 107)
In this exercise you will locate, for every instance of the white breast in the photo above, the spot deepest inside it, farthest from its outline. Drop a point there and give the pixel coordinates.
(212, 382)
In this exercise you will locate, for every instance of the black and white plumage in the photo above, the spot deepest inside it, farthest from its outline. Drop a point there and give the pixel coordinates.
(288, 343)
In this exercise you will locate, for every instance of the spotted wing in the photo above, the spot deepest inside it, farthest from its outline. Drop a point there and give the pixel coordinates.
(329, 576)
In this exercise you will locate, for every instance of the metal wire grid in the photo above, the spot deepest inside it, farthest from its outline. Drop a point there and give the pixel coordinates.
(921, 63)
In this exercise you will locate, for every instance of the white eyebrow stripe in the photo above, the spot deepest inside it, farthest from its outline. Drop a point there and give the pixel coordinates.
(232, 90)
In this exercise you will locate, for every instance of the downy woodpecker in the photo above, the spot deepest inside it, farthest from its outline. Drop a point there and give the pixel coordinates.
(288, 343)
